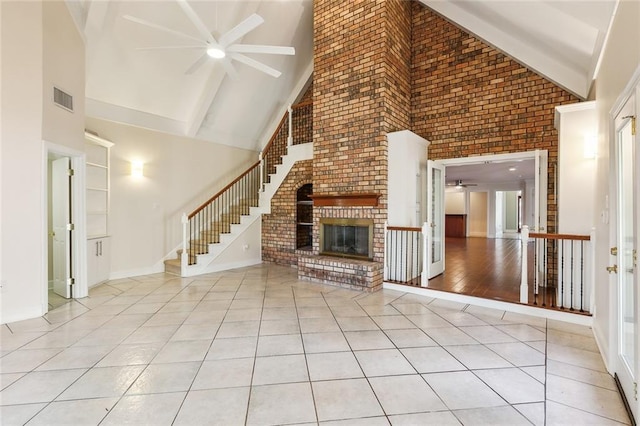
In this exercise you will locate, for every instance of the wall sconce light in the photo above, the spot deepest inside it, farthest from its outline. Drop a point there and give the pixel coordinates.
(590, 146)
(137, 169)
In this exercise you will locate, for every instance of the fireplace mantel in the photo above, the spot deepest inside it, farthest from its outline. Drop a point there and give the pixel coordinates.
(346, 200)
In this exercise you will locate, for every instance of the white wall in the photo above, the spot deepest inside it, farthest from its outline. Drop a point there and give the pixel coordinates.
(28, 117)
(454, 201)
(478, 208)
(179, 175)
(576, 174)
(621, 59)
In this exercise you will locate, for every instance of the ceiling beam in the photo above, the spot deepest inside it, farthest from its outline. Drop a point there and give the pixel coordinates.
(201, 107)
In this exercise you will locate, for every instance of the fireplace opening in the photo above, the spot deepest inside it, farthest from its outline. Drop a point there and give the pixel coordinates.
(346, 238)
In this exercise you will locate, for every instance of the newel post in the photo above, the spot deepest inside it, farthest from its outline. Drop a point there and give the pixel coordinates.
(424, 277)
(385, 269)
(261, 160)
(184, 258)
(524, 284)
(290, 137)
(592, 271)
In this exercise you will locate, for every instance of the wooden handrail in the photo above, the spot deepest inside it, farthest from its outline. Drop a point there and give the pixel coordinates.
(275, 135)
(403, 228)
(210, 200)
(560, 236)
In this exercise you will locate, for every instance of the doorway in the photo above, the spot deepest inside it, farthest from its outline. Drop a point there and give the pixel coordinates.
(59, 204)
(64, 215)
(625, 229)
(484, 185)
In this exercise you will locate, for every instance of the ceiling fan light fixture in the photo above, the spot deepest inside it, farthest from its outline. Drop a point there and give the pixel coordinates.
(216, 52)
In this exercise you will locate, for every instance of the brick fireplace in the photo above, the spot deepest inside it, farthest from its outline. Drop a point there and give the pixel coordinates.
(357, 100)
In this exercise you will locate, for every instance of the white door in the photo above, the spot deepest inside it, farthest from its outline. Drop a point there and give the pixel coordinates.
(61, 217)
(435, 218)
(626, 231)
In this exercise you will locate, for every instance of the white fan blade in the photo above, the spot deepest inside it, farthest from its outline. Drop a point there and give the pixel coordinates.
(197, 64)
(241, 29)
(255, 64)
(202, 46)
(195, 19)
(230, 69)
(261, 48)
(159, 27)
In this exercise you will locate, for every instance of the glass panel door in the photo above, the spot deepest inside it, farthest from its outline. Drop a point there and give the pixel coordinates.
(435, 218)
(626, 235)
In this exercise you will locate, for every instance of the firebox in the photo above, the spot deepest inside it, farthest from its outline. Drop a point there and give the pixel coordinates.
(346, 238)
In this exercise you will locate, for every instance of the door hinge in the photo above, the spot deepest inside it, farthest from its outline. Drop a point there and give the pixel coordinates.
(70, 172)
(614, 251)
(633, 123)
(635, 391)
(71, 281)
(70, 227)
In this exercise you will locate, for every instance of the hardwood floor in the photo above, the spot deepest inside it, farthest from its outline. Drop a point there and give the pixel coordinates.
(482, 267)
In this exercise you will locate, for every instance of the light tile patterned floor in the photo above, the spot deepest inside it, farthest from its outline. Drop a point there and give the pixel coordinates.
(255, 346)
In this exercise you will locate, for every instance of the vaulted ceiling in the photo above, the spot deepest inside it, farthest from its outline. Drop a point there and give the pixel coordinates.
(151, 88)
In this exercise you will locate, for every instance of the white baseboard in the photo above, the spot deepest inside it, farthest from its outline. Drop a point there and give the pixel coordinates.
(155, 269)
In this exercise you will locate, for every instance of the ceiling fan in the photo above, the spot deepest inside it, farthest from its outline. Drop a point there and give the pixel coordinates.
(224, 49)
(459, 184)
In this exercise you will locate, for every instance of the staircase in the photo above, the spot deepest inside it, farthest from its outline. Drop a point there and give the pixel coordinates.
(227, 229)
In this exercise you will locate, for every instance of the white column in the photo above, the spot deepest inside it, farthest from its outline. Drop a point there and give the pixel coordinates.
(591, 285)
(184, 258)
(260, 159)
(290, 137)
(385, 269)
(424, 277)
(524, 285)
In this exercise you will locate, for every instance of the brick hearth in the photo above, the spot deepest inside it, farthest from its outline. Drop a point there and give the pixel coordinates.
(348, 273)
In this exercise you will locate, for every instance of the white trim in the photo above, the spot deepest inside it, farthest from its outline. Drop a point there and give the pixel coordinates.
(78, 213)
(158, 268)
(576, 107)
(98, 140)
(119, 114)
(627, 92)
(495, 158)
(493, 304)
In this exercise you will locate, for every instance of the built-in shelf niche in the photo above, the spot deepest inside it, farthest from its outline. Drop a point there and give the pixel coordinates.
(304, 217)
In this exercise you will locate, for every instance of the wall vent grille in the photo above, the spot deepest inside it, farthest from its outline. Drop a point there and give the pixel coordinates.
(63, 99)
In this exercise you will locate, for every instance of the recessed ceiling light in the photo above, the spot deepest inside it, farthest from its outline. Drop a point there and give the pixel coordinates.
(512, 169)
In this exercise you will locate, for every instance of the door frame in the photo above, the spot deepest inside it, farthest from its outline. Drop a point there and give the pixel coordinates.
(78, 214)
(632, 88)
(540, 156)
(60, 210)
(435, 268)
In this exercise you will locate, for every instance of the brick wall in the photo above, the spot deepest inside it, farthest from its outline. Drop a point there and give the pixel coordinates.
(471, 99)
(279, 228)
(361, 55)
(386, 65)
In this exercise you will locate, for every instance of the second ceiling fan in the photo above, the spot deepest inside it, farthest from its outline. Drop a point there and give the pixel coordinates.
(223, 49)
(459, 184)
